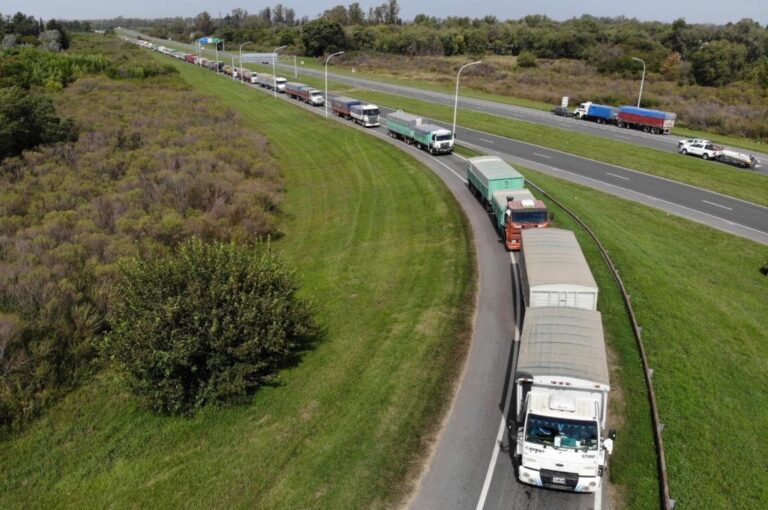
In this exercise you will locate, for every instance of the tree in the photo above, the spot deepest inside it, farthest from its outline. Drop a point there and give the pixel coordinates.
(391, 12)
(338, 14)
(719, 63)
(63, 34)
(278, 14)
(28, 120)
(526, 59)
(323, 36)
(356, 14)
(209, 324)
(50, 40)
(204, 24)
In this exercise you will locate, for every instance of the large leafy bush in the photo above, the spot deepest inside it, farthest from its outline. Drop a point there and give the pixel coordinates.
(209, 324)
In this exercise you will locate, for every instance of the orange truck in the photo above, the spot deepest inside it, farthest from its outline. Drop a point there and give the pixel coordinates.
(502, 191)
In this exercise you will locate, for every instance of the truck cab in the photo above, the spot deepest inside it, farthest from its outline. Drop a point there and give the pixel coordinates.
(280, 84)
(254, 78)
(581, 111)
(316, 98)
(366, 115)
(523, 214)
(440, 142)
(560, 444)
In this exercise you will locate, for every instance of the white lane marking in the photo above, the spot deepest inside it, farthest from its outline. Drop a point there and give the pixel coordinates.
(542, 155)
(462, 179)
(503, 423)
(598, 498)
(459, 155)
(487, 140)
(718, 205)
(617, 176)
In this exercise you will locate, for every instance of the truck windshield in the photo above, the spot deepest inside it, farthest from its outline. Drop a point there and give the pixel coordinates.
(529, 216)
(561, 432)
(371, 111)
(443, 138)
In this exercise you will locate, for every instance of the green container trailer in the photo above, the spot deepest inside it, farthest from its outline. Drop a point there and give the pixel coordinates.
(402, 123)
(488, 174)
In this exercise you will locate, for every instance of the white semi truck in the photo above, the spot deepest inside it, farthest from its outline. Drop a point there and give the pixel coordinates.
(561, 396)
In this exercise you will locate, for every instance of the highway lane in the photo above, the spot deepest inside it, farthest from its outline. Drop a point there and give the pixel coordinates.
(471, 465)
(719, 211)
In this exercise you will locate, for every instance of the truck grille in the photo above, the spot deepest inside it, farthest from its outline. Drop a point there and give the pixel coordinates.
(558, 479)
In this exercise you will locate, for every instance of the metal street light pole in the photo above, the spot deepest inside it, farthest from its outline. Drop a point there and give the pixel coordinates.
(274, 76)
(642, 80)
(241, 59)
(456, 100)
(326, 80)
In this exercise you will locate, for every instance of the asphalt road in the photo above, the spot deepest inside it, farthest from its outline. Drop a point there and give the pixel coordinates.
(725, 213)
(471, 466)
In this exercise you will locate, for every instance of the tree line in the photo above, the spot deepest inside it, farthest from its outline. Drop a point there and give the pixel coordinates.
(705, 54)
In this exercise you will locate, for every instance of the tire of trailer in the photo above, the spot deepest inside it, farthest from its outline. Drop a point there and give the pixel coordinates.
(705, 156)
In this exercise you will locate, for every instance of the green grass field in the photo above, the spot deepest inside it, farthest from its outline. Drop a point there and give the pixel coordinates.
(726, 179)
(382, 250)
(702, 304)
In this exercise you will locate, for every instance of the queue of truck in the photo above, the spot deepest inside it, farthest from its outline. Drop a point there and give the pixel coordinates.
(561, 381)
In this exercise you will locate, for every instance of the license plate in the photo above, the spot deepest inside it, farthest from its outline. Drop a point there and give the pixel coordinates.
(558, 480)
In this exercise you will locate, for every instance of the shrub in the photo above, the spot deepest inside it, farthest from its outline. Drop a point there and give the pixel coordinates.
(210, 324)
(526, 59)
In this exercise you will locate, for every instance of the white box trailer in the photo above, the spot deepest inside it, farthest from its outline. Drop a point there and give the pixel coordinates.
(561, 400)
(554, 271)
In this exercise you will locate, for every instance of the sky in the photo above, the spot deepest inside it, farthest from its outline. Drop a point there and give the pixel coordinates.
(694, 11)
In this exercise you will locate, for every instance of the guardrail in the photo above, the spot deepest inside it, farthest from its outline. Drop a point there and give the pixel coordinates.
(666, 502)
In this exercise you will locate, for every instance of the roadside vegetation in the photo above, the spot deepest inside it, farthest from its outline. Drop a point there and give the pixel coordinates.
(142, 176)
(700, 300)
(392, 295)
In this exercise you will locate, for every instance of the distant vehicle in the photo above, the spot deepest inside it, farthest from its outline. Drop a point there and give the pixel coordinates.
(501, 190)
(680, 143)
(599, 113)
(304, 93)
(562, 111)
(412, 130)
(702, 150)
(737, 158)
(271, 82)
(366, 115)
(650, 121)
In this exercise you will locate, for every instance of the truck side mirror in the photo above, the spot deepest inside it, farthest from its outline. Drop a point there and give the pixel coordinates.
(612, 434)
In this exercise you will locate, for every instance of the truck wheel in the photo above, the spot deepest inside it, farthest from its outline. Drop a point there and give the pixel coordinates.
(684, 152)
(705, 156)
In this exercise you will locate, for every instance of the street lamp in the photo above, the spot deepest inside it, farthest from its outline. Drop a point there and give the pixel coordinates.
(241, 59)
(642, 80)
(326, 79)
(456, 100)
(274, 76)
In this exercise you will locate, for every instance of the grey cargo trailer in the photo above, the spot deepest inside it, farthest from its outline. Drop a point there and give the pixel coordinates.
(554, 271)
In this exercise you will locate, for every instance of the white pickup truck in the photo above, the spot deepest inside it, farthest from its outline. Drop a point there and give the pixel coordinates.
(702, 148)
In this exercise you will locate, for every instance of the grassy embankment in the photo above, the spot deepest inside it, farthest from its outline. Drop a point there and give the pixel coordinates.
(721, 178)
(345, 427)
(701, 302)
